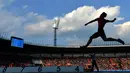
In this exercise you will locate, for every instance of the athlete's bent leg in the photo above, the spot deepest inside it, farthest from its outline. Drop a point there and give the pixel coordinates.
(89, 41)
(113, 39)
(95, 35)
(121, 41)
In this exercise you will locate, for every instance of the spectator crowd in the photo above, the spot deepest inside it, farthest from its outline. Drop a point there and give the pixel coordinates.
(103, 63)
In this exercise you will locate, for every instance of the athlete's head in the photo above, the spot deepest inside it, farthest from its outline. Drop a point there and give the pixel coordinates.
(103, 15)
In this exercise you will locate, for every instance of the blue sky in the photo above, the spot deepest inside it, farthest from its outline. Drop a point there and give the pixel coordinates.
(30, 12)
(46, 7)
(54, 8)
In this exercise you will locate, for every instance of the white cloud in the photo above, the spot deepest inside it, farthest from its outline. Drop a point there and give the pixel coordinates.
(4, 3)
(25, 6)
(123, 29)
(120, 18)
(76, 19)
(40, 25)
(12, 23)
(38, 29)
(72, 23)
(9, 21)
(71, 26)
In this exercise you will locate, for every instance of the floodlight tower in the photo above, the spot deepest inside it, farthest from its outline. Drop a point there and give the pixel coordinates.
(55, 26)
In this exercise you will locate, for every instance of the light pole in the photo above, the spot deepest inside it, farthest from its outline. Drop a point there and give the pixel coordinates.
(55, 26)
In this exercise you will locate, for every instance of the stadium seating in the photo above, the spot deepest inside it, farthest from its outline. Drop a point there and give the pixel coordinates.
(103, 63)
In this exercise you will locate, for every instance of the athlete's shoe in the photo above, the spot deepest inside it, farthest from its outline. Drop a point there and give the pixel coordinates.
(83, 46)
(122, 42)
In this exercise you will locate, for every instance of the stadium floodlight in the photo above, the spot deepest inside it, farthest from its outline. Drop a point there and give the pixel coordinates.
(55, 26)
(56, 22)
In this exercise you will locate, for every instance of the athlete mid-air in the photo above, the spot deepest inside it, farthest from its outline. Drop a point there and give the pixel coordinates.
(101, 23)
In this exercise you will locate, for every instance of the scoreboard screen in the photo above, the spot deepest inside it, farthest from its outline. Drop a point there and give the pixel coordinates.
(17, 42)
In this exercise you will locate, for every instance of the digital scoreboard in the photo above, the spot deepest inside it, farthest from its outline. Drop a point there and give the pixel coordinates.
(17, 42)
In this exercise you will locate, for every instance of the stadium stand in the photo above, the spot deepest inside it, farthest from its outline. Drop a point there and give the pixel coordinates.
(108, 57)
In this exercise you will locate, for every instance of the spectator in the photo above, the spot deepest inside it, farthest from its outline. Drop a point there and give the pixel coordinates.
(94, 62)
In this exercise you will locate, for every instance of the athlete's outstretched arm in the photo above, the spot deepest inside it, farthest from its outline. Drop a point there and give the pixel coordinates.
(91, 21)
(111, 20)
